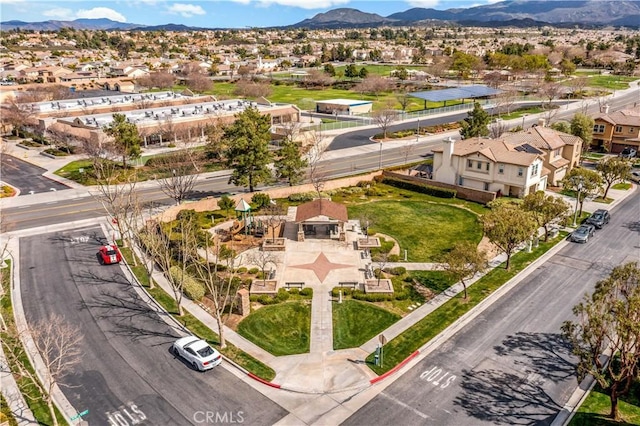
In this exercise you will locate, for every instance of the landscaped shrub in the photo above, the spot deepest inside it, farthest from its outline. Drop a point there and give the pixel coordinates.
(282, 295)
(346, 291)
(302, 197)
(241, 270)
(398, 270)
(394, 258)
(371, 297)
(307, 292)
(260, 200)
(417, 187)
(294, 291)
(247, 282)
(254, 271)
(190, 287)
(265, 299)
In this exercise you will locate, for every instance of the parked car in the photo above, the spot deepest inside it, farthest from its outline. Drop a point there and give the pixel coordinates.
(635, 176)
(628, 152)
(196, 352)
(583, 233)
(109, 254)
(599, 218)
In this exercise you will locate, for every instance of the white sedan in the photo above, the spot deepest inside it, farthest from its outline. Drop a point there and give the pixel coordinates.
(197, 352)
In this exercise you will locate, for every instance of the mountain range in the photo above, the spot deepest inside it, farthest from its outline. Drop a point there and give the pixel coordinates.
(509, 12)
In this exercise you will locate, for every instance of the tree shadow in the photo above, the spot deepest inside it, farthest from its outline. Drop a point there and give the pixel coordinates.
(546, 354)
(505, 398)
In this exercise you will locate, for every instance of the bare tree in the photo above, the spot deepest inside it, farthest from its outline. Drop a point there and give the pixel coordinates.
(374, 84)
(497, 129)
(221, 287)
(381, 259)
(262, 259)
(317, 78)
(404, 99)
(274, 219)
(198, 82)
(550, 92)
(505, 101)
(252, 89)
(317, 175)
(159, 79)
(180, 179)
(384, 118)
(56, 344)
(407, 149)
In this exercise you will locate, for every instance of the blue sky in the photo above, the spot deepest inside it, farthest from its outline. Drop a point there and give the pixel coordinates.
(206, 13)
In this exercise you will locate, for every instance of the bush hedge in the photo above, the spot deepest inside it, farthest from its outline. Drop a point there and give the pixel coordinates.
(190, 287)
(370, 297)
(307, 292)
(422, 188)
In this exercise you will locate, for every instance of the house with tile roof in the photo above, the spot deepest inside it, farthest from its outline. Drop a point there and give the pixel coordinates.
(617, 130)
(516, 164)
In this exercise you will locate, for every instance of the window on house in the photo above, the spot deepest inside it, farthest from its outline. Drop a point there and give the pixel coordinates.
(520, 171)
(501, 169)
(631, 129)
(460, 180)
(557, 152)
(479, 165)
(469, 163)
(534, 170)
(618, 129)
(486, 186)
(598, 128)
(487, 166)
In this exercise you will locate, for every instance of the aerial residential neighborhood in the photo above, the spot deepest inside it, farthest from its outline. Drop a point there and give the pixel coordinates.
(320, 213)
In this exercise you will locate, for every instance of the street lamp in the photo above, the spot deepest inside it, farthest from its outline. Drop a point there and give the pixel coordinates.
(523, 116)
(579, 188)
(380, 157)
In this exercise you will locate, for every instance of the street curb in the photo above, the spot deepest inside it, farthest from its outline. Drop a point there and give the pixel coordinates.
(394, 369)
(265, 382)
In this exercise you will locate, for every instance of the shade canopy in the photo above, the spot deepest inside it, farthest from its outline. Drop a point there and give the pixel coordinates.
(461, 92)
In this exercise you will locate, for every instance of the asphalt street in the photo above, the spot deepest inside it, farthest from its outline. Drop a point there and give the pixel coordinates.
(26, 176)
(127, 374)
(510, 365)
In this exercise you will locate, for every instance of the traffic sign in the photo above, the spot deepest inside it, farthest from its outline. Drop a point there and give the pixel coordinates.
(81, 414)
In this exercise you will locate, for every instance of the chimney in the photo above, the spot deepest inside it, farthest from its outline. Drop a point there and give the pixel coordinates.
(447, 150)
(604, 109)
(541, 122)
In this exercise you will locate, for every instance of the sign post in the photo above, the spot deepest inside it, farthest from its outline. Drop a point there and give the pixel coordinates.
(383, 341)
(79, 415)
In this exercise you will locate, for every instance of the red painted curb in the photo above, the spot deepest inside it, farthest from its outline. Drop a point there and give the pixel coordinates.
(394, 369)
(273, 385)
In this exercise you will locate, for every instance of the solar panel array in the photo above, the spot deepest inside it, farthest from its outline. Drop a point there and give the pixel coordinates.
(461, 92)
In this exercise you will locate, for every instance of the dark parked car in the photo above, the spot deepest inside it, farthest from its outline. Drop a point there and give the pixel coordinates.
(599, 218)
(583, 233)
(628, 153)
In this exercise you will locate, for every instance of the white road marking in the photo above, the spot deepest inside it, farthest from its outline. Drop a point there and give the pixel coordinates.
(402, 404)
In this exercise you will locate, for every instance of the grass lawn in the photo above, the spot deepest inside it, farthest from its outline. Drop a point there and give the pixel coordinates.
(282, 329)
(194, 325)
(433, 324)
(355, 322)
(622, 185)
(520, 112)
(615, 82)
(424, 229)
(595, 409)
(436, 281)
(382, 70)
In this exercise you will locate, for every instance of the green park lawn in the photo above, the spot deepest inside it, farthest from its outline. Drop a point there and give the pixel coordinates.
(355, 322)
(613, 82)
(424, 229)
(282, 329)
(595, 409)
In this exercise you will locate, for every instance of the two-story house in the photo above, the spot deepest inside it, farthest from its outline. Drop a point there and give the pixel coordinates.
(516, 164)
(490, 165)
(615, 131)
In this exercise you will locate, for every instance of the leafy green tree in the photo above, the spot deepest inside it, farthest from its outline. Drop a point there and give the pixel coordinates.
(226, 204)
(609, 319)
(561, 126)
(330, 70)
(463, 63)
(507, 226)
(290, 164)
(476, 124)
(126, 137)
(567, 67)
(248, 152)
(582, 126)
(584, 183)
(401, 73)
(363, 73)
(463, 262)
(545, 209)
(351, 71)
(613, 169)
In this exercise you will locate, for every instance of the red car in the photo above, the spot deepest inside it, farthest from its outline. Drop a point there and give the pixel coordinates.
(109, 254)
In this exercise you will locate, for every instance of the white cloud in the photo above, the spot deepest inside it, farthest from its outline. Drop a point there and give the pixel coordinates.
(304, 4)
(101, 12)
(11, 1)
(423, 3)
(59, 13)
(186, 10)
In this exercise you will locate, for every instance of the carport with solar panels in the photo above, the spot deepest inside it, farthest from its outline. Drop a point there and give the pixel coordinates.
(456, 93)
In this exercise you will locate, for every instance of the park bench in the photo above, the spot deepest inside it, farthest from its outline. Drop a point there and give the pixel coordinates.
(351, 284)
(293, 285)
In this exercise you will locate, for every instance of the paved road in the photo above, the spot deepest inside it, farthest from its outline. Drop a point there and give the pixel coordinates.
(127, 373)
(510, 366)
(26, 176)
